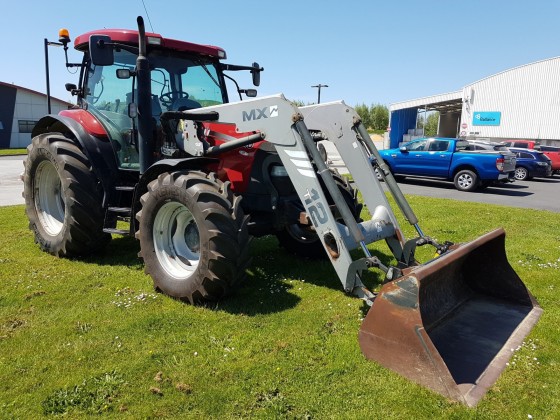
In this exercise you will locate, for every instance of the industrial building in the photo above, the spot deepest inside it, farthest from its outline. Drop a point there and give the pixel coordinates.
(20, 109)
(519, 103)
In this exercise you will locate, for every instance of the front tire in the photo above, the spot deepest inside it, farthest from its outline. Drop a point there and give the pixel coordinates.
(466, 180)
(62, 198)
(193, 236)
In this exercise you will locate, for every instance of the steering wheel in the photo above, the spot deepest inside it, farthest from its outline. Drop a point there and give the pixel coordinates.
(94, 99)
(169, 97)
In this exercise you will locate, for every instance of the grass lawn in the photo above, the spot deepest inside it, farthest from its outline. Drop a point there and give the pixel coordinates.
(12, 152)
(81, 337)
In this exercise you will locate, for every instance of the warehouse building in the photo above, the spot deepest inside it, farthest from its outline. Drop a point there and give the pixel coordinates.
(519, 103)
(20, 109)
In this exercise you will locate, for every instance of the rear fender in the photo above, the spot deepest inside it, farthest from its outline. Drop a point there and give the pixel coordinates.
(97, 148)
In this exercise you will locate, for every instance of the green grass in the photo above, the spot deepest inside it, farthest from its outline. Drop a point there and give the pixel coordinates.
(81, 337)
(12, 152)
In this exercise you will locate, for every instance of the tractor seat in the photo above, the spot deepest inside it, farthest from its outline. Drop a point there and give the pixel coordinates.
(184, 104)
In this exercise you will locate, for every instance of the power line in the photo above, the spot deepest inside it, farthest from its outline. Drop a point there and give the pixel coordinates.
(148, 16)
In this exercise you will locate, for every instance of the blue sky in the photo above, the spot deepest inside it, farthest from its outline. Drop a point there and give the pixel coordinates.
(365, 50)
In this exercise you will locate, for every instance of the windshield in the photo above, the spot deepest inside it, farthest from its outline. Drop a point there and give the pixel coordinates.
(190, 82)
(179, 82)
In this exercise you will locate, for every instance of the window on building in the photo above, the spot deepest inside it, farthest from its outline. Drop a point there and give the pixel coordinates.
(26, 126)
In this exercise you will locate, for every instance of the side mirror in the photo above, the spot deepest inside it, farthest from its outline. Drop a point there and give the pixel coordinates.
(124, 74)
(256, 72)
(72, 88)
(403, 149)
(101, 50)
(251, 93)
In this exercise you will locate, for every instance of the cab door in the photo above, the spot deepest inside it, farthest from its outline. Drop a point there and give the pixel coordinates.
(409, 159)
(437, 158)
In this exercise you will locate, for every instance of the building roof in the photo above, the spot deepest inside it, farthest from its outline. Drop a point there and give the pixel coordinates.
(452, 101)
(34, 92)
(513, 69)
(444, 102)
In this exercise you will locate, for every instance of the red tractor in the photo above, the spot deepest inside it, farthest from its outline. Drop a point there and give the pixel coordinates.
(125, 144)
(154, 141)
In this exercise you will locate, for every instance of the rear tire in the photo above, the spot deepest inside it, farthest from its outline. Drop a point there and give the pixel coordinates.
(521, 174)
(466, 180)
(193, 236)
(301, 240)
(62, 198)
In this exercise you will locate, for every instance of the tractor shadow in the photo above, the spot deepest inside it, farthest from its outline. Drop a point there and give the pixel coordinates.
(121, 251)
(276, 276)
(273, 279)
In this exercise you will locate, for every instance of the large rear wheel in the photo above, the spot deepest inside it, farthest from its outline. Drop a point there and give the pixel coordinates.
(302, 240)
(193, 236)
(62, 198)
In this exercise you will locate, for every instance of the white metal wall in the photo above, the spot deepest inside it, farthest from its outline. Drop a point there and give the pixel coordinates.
(528, 98)
(32, 107)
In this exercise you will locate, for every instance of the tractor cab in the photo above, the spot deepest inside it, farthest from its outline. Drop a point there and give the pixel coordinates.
(183, 76)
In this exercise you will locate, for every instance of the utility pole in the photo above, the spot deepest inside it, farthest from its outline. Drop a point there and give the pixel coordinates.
(319, 86)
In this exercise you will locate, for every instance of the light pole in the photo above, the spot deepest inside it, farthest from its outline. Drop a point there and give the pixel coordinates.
(319, 86)
(63, 40)
(47, 44)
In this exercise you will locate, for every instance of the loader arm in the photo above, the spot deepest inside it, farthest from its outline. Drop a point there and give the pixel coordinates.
(282, 124)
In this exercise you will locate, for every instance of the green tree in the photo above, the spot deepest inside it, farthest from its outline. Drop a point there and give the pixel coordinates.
(379, 117)
(297, 102)
(363, 112)
(432, 124)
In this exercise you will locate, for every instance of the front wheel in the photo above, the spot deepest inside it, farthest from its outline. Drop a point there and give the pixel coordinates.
(193, 236)
(62, 198)
(466, 180)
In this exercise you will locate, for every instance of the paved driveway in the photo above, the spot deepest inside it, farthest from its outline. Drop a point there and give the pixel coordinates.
(543, 194)
(11, 187)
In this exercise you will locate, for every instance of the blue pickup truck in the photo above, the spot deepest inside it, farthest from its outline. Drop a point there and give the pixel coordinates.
(446, 158)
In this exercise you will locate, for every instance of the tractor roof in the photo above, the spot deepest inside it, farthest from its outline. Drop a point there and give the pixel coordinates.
(127, 36)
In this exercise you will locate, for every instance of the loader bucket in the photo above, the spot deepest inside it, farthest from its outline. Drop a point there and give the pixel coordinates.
(451, 324)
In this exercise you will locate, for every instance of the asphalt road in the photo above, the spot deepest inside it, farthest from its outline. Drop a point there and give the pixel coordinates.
(541, 194)
(11, 186)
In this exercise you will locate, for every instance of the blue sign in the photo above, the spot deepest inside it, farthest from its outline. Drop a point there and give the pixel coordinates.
(487, 118)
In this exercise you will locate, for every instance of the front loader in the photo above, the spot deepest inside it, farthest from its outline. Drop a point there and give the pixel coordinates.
(195, 182)
(448, 324)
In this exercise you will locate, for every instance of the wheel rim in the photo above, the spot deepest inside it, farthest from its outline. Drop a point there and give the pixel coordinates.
(49, 202)
(176, 240)
(464, 181)
(520, 173)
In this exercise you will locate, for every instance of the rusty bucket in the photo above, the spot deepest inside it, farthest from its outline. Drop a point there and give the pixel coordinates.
(451, 324)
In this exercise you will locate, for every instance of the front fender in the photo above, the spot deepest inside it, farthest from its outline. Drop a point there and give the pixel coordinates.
(161, 166)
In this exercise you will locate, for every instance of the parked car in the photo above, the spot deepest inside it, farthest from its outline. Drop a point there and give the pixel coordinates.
(475, 145)
(531, 163)
(521, 144)
(552, 152)
(446, 158)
